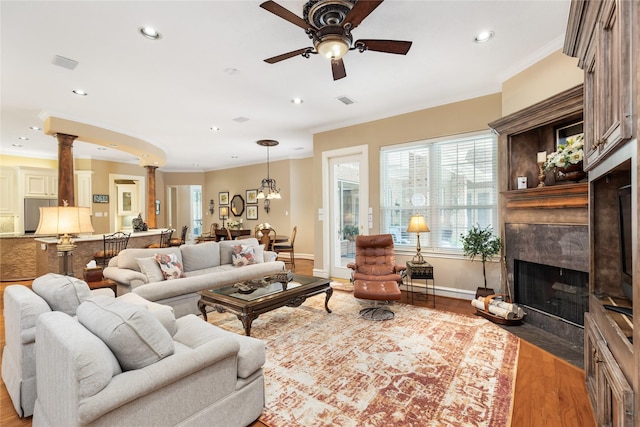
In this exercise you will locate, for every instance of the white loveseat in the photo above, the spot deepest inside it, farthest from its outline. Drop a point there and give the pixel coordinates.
(22, 308)
(207, 265)
(117, 365)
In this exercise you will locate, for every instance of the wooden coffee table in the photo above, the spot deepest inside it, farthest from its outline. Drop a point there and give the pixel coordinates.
(249, 305)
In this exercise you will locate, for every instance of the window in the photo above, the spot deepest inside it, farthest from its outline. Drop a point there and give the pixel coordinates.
(452, 181)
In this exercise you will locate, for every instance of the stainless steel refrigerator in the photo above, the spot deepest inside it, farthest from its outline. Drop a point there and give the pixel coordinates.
(32, 212)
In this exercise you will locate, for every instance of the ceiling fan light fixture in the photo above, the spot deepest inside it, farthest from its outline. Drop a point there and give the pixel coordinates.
(333, 47)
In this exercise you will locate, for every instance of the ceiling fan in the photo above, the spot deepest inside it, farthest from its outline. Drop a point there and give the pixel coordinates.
(329, 23)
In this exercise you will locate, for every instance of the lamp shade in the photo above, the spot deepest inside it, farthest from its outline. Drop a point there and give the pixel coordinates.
(417, 224)
(224, 211)
(64, 220)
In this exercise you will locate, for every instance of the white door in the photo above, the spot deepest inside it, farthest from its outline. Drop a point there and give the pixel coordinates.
(346, 202)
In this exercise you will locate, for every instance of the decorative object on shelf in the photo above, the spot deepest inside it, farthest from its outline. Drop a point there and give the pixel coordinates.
(481, 242)
(417, 224)
(65, 220)
(566, 161)
(224, 213)
(542, 158)
(138, 224)
(223, 198)
(252, 212)
(284, 277)
(212, 206)
(268, 188)
(522, 182)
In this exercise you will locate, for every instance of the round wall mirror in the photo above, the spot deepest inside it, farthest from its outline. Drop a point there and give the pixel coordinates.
(237, 205)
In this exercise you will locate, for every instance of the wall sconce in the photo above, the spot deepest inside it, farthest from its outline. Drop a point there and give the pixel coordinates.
(211, 206)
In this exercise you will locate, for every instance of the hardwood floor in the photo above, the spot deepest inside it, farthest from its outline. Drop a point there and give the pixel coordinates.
(549, 391)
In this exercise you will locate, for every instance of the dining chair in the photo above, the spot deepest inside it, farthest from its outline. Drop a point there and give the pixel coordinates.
(287, 247)
(165, 237)
(182, 239)
(112, 244)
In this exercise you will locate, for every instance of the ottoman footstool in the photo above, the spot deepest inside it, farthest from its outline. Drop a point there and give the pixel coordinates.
(376, 291)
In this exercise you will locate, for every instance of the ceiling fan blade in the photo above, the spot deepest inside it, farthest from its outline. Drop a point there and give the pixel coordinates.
(337, 67)
(285, 14)
(361, 10)
(388, 46)
(287, 55)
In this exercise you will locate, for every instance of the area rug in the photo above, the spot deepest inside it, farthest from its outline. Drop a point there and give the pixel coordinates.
(423, 368)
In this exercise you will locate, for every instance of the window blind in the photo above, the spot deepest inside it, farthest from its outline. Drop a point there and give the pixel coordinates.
(451, 181)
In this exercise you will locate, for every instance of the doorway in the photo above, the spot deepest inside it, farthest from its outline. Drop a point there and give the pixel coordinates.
(346, 201)
(185, 208)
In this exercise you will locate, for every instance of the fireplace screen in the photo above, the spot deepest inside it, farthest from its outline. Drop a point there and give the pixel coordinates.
(557, 291)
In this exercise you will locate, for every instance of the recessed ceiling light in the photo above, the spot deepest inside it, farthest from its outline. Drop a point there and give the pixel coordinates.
(234, 157)
(240, 119)
(113, 145)
(17, 145)
(23, 138)
(102, 148)
(297, 100)
(484, 36)
(150, 33)
(35, 128)
(80, 92)
(231, 71)
(215, 128)
(195, 164)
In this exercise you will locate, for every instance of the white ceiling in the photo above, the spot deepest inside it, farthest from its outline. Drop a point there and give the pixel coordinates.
(171, 91)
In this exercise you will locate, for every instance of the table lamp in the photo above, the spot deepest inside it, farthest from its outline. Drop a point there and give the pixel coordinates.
(224, 213)
(65, 220)
(418, 224)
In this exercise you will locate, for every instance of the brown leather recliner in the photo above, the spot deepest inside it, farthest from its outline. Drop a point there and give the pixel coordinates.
(376, 276)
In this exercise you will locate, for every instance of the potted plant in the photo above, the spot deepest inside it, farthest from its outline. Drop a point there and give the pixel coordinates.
(481, 242)
(349, 232)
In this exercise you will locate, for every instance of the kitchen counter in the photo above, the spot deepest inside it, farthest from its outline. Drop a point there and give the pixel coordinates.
(47, 259)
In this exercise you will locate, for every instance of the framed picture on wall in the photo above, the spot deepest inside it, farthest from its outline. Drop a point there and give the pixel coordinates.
(252, 197)
(252, 212)
(223, 198)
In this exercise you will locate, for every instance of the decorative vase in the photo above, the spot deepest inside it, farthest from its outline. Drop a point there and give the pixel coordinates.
(570, 173)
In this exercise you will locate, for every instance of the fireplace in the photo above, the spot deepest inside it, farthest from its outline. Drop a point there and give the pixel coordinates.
(556, 291)
(547, 270)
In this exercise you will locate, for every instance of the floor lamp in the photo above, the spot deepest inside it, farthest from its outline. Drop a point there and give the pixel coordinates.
(65, 220)
(417, 224)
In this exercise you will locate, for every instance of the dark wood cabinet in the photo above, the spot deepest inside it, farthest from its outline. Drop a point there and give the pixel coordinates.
(604, 35)
(599, 34)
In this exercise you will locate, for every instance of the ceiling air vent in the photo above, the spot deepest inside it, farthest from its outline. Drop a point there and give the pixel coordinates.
(63, 62)
(345, 100)
(240, 119)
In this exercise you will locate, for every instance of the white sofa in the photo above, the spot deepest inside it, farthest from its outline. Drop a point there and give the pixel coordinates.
(118, 366)
(206, 265)
(22, 308)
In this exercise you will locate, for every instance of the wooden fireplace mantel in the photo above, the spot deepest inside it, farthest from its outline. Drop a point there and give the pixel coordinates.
(549, 197)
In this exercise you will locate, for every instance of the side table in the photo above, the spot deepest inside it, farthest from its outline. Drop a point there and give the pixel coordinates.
(422, 271)
(104, 283)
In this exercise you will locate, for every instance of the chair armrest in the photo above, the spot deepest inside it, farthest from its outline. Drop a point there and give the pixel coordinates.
(124, 276)
(270, 256)
(352, 265)
(400, 267)
(22, 307)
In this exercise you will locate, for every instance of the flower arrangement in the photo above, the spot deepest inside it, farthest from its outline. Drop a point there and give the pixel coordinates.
(233, 224)
(262, 226)
(569, 153)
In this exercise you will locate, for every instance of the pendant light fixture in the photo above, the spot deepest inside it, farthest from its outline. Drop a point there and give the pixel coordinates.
(268, 189)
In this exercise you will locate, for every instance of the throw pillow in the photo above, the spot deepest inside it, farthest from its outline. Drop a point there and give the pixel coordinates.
(134, 335)
(170, 266)
(243, 255)
(62, 293)
(150, 268)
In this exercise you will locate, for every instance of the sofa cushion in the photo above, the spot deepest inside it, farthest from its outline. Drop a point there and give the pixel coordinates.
(134, 335)
(150, 268)
(127, 257)
(247, 255)
(62, 293)
(200, 256)
(170, 266)
(226, 248)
